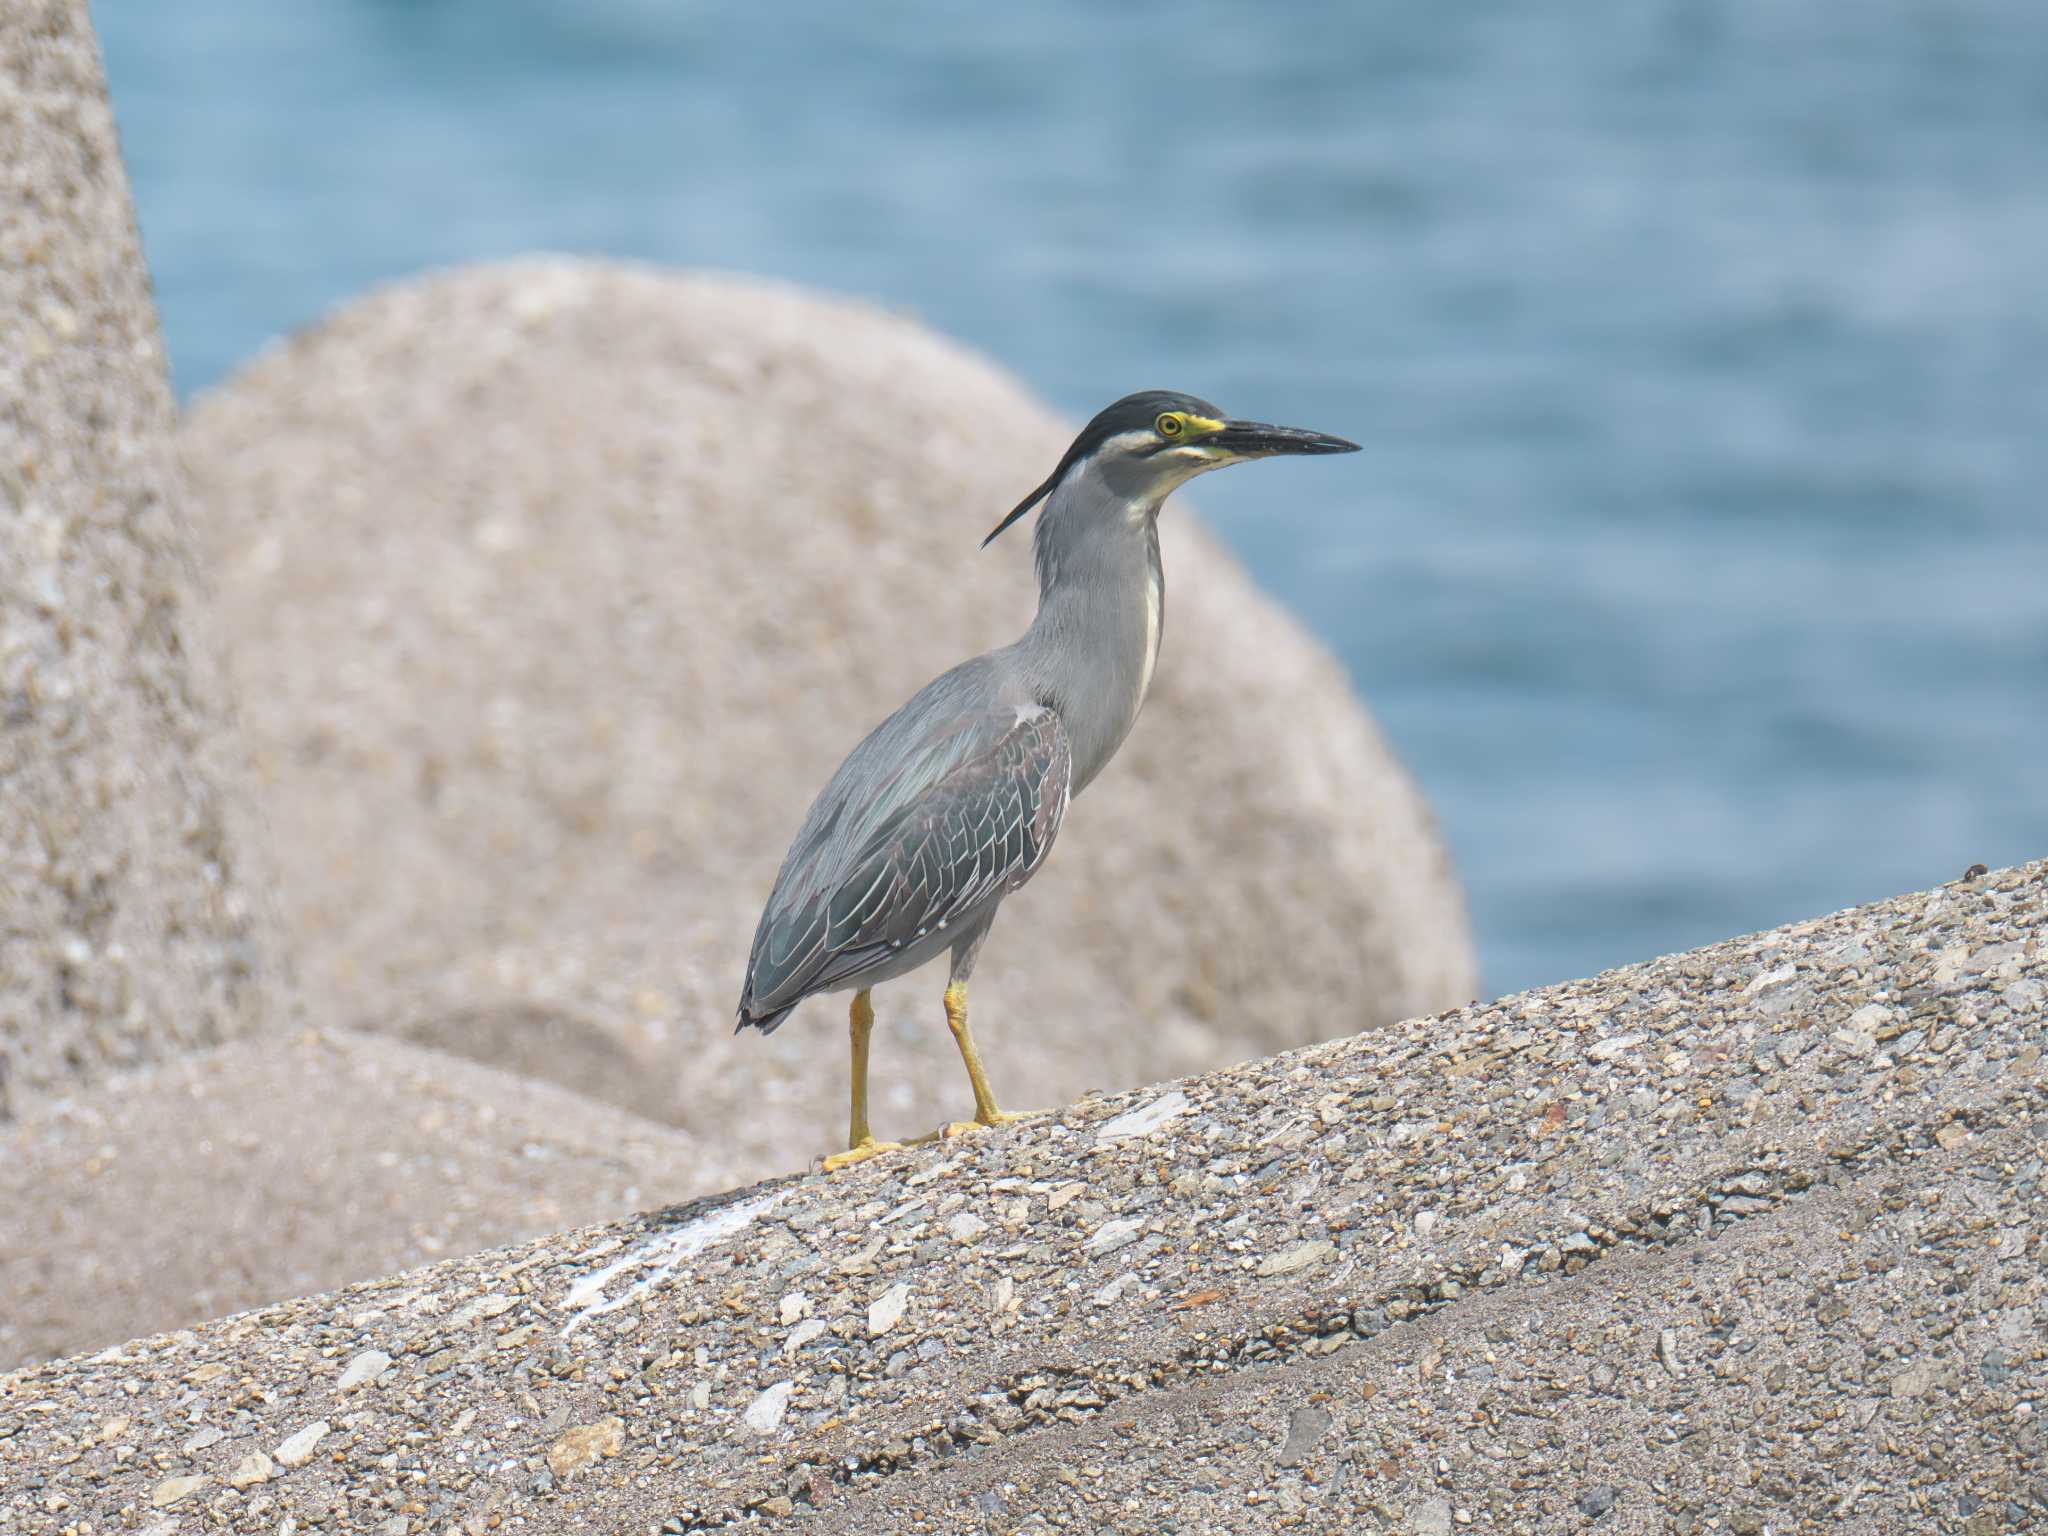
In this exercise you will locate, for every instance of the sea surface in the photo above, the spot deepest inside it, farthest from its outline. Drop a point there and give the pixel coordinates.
(1697, 562)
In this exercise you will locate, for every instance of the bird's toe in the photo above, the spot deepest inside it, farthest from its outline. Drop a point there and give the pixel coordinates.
(860, 1152)
(954, 1129)
(1012, 1116)
(950, 1131)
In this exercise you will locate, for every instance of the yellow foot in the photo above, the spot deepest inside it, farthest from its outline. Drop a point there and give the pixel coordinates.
(1012, 1116)
(860, 1152)
(953, 1129)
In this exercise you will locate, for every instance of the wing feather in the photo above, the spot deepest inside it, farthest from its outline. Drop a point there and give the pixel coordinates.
(959, 819)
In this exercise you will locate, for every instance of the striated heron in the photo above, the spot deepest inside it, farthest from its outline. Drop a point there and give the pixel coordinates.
(953, 802)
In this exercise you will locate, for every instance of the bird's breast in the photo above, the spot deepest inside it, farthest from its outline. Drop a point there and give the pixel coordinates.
(1126, 665)
(1155, 620)
(1092, 651)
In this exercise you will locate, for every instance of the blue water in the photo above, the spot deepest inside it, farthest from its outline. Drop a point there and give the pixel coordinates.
(1698, 560)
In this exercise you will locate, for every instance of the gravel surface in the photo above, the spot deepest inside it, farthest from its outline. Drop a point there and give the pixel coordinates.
(556, 590)
(269, 1168)
(126, 928)
(1858, 1363)
(1746, 1239)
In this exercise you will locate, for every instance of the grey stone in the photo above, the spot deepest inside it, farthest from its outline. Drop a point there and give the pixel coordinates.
(765, 1413)
(363, 1369)
(1112, 1235)
(886, 1310)
(1612, 1046)
(1305, 1426)
(1300, 1256)
(806, 1332)
(175, 1490)
(1145, 1119)
(297, 1449)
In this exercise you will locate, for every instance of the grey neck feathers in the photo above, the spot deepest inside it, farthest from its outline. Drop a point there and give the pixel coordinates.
(1101, 608)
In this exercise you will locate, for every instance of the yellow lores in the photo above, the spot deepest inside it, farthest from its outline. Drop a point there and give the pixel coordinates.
(1178, 423)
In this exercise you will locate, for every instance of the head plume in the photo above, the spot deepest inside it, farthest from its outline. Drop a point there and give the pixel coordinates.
(1130, 414)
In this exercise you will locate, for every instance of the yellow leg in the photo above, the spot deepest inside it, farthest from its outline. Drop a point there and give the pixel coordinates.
(860, 1141)
(985, 1110)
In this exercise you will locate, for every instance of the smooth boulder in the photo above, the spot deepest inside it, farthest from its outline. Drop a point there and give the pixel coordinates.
(234, 1177)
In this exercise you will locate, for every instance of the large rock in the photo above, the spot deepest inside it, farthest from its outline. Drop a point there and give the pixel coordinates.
(267, 1168)
(557, 589)
(1748, 1239)
(129, 927)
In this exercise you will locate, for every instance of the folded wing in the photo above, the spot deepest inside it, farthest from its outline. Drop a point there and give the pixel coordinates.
(915, 834)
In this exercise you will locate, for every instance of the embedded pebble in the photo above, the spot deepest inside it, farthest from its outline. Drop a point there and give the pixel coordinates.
(764, 1413)
(1667, 1352)
(1300, 1256)
(363, 1370)
(1145, 1119)
(1597, 1501)
(173, 1489)
(1613, 1046)
(298, 1450)
(1915, 1381)
(965, 1226)
(1305, 1426)
(584, 1445)
(1112, 1235)
(1110, 1292)
(886, 1310)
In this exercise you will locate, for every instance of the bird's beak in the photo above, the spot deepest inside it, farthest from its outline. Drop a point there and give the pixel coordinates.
(1259, 440)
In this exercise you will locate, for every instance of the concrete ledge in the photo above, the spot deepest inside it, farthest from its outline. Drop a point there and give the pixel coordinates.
(1746, 1239)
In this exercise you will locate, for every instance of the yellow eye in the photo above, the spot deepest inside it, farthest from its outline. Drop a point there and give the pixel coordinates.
(1170, 425)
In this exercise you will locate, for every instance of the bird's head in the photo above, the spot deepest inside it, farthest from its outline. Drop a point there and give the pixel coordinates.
(1144, 446)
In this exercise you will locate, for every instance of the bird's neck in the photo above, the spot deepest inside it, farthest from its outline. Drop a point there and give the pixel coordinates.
(1101, 611)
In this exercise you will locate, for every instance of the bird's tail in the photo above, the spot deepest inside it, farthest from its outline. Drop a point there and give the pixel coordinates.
(764, 1022)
